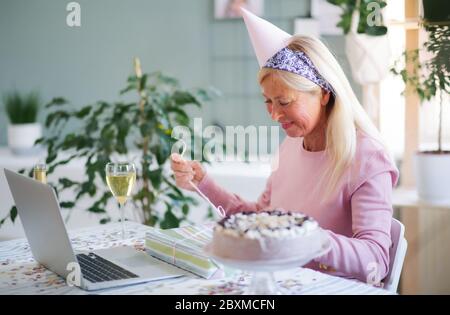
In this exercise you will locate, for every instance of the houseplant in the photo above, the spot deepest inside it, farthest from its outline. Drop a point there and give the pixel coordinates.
(141, 127)
(366, 42)
(430, 79)
(23, 128)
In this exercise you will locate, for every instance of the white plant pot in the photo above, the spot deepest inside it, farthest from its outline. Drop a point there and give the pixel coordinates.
(368, 56)
(432, 173)
(21, 138)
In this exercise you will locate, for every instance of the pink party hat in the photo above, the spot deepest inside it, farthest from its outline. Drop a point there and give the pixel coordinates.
(267, 39)
(270, 45)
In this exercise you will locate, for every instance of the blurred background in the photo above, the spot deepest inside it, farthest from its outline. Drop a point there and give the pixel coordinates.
(46, 50)
(182, 38)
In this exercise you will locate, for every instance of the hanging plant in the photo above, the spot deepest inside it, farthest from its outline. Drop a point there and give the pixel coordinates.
(366, 10)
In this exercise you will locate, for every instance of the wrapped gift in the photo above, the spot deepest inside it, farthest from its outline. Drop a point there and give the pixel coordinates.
(184, 248)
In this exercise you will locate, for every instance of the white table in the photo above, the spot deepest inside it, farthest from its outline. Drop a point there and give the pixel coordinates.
(21, 274)
(408, 198)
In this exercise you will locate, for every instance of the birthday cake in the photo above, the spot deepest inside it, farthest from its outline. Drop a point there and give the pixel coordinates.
(265, 235)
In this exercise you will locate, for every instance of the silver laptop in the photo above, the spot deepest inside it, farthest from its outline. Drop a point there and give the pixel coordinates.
(39, 211)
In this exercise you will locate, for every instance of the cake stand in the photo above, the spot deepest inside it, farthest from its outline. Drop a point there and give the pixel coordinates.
(263, 279)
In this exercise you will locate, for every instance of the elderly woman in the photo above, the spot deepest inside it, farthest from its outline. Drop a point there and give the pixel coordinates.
(332, 165)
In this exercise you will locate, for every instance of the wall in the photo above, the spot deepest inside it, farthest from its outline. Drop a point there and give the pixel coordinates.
(182, 38)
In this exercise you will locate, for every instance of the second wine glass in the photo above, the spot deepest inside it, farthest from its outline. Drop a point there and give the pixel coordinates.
(120, 178)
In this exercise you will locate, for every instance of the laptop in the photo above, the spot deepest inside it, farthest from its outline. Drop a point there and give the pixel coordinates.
(39, 211)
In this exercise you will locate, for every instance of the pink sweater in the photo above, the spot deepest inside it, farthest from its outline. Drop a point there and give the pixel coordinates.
(357, 217)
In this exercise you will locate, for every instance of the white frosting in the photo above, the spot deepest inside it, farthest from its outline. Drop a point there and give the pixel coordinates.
(275, 224)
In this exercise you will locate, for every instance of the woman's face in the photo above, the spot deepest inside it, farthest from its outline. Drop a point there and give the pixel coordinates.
(299, 113)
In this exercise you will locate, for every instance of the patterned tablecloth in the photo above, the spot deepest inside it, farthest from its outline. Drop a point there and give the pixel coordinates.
(21, 274)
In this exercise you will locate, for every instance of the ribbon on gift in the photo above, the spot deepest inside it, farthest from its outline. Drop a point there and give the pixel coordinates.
(178, 242)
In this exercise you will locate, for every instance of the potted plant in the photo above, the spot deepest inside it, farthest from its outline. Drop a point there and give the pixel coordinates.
(366, 42)
(430, 79)
(140, 127)
(23, 128)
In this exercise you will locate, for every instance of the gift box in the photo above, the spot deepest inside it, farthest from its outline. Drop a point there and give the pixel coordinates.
(184, 248)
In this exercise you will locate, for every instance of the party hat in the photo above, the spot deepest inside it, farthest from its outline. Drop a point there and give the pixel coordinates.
(266, 38)
(270, 45)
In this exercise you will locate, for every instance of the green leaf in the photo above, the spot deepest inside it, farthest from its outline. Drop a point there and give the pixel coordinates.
(152, 221)
(96, 208)
(161, 152)
(83, 112)
(132, 79)
(155, 177)
(53, 119)
(65, 182)
(142, 82)
(183, 98)
(207, 94)
(185, 209)
(128, 88)
(57, 101)
(146, 128)
(170, 221)
(13, 213)
(165, 80)
(67, 204)
(39, 141)
(175, 189)
(180, 115)
(105, 220)
(209, 214)
(50, 158)
(338, 2)
(100, 108)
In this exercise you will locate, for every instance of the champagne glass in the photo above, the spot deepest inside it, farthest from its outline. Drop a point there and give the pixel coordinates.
(120, 178)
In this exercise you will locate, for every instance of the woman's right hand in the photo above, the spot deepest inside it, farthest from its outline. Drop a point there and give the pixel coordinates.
(186, 171)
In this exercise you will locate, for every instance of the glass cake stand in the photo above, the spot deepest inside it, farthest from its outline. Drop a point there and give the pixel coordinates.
(263, 279)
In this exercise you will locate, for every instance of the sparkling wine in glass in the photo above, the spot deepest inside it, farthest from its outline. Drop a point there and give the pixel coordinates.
(40, 173)
(120, 178)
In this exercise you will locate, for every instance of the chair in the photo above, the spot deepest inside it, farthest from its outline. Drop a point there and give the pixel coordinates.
(397, 254)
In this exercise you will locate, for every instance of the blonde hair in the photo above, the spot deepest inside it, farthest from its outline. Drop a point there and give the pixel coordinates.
(345, 115)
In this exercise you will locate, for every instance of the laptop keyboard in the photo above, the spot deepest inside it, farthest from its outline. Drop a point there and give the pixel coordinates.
(97, 269)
